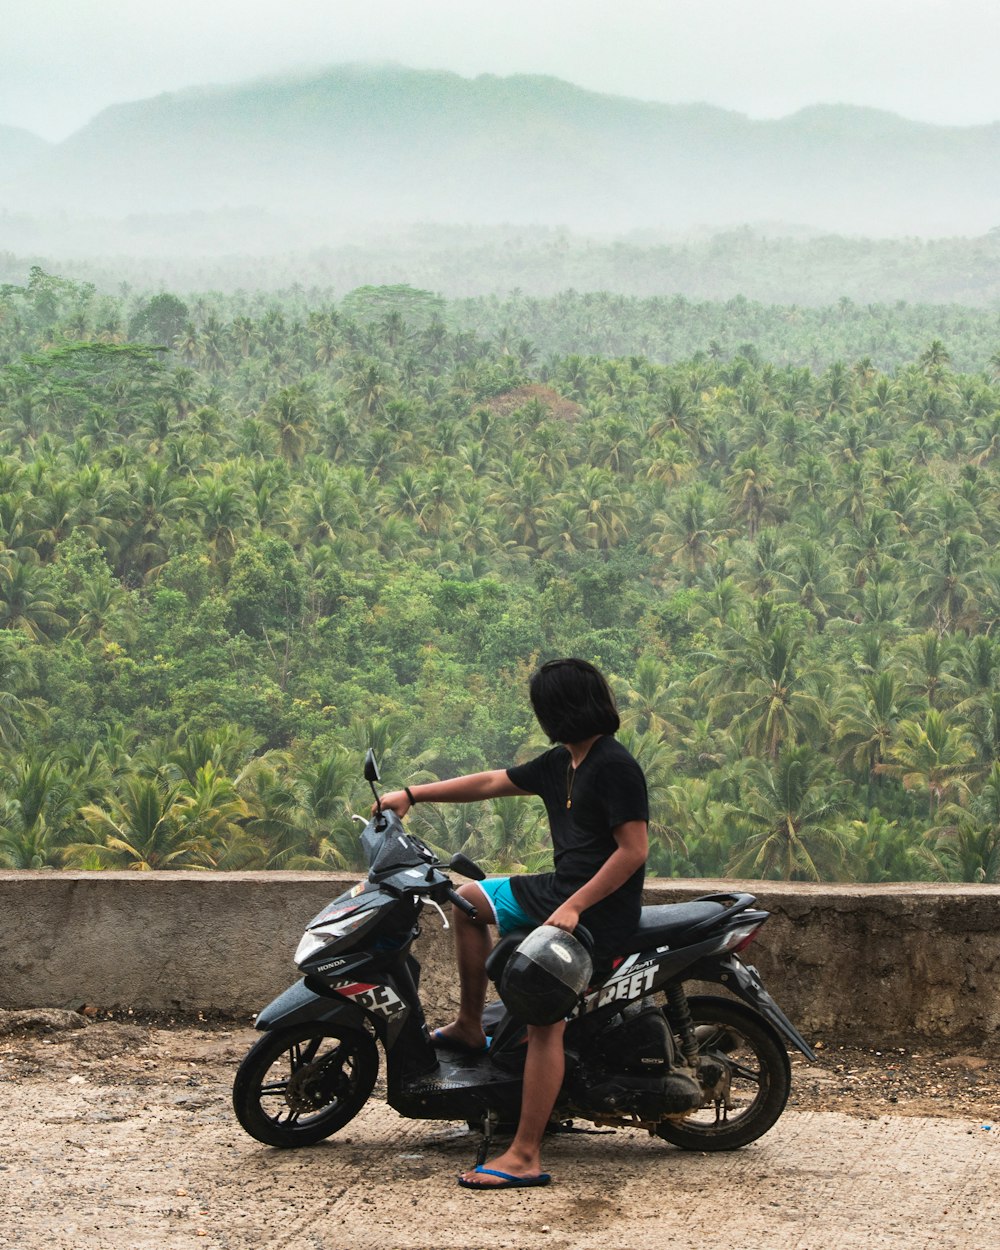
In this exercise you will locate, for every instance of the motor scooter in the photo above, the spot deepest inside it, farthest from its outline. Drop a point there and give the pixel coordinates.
(703, 1072)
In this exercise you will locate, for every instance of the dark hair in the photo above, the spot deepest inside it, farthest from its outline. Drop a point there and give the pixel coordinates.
(573, 701)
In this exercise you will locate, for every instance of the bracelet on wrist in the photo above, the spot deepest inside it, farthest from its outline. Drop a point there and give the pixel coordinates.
(409, 794)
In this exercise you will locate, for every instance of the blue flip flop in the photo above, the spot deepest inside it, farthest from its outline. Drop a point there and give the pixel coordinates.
(507, 1180)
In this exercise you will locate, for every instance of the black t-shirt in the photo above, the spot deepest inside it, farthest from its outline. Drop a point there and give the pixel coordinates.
(606, 790)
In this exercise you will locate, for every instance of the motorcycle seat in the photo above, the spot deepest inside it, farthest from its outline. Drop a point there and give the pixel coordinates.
(497, 959)
(665, 923)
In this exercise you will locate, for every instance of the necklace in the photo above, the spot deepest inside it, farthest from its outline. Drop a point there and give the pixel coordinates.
(571, 771)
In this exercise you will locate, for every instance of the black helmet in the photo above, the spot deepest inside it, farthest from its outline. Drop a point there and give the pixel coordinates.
(544, 978)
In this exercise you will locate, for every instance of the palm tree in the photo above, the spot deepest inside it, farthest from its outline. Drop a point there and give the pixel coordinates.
(976, 671)
(947, 589)
(675, 410)
(217, 812)
(808, 481)
(851, 494)
(871, 540)
(55, 515)
(928, 659)
(157, 500)
(767, 690)
(749, 487)
(565, 529)
(866, 719)
(547, 447)
(969, 849)
(690, 530)
(525, 505)
(884, 396)
(605, 508)
(440, 493)
(326, 509)
(37, 813)
(223, 509)
(452, 827)
(884, 850)
(968, 852)
(104, 612)
(144, 828)
(292, 414)
(934, 757)
(188, 343)
(934, 357)
(24, 601)
(369, 386)
(809, 577)
(17, 676)
(647, 695)
(327, 794)
(227, 748)
(509, 837)
(787, 811)
(613, 445)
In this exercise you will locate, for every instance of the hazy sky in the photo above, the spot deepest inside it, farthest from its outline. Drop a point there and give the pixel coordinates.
(61, 61)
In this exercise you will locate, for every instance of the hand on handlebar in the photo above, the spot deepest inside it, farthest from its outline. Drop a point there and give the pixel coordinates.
(395, 801)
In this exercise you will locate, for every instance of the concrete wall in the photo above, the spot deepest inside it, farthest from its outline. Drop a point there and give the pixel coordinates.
(885, 964)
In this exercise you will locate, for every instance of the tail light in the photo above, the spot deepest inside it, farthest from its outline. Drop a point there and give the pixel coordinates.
(739, 939)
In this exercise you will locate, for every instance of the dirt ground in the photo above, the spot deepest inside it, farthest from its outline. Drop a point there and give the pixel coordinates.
(119, 1134)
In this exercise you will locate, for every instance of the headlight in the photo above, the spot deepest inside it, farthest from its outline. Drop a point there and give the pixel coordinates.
(314, 940)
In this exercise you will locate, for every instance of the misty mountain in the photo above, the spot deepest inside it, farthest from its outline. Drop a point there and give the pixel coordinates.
(391, 145)
(20, 153)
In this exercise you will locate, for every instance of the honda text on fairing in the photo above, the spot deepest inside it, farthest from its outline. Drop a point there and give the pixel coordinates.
(704, 1072)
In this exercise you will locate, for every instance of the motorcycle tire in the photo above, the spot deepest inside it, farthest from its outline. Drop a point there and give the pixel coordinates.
(299, 1085)
(759, 1071)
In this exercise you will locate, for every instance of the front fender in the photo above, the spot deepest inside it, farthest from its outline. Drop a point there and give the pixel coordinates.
(299, 1004)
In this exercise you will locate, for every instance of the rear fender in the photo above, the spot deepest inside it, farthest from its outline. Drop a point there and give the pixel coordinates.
(744, 981)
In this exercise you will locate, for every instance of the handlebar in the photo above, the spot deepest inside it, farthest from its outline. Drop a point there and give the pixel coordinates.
(462, 904)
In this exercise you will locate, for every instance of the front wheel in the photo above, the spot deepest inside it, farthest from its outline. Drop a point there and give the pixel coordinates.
(754, 1078)
(301, 1084)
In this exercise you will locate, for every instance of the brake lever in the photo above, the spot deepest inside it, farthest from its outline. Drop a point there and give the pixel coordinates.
(437, 908)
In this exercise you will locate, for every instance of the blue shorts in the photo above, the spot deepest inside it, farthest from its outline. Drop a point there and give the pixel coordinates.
(507, 911)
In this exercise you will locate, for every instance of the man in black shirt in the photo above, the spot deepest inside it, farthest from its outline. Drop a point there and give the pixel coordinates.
(595, 797)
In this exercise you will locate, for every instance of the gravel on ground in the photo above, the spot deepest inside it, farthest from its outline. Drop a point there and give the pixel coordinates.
(118, 1135)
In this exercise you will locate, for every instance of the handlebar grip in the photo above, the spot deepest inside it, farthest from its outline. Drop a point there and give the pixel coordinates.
(462, 904)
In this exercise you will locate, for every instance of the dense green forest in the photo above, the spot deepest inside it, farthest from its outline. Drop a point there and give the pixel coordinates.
(243, 537)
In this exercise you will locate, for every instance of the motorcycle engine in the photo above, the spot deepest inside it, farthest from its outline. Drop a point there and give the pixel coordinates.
(631, 1071)
(639, 1043)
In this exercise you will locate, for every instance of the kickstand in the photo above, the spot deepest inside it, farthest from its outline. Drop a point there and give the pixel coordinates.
(489, 1120)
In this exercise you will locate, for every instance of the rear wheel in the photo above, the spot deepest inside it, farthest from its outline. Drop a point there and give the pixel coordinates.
(754, 1078)
(301, 1084)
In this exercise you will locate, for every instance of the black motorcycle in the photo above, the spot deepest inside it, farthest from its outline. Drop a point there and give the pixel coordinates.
(702, 1072)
